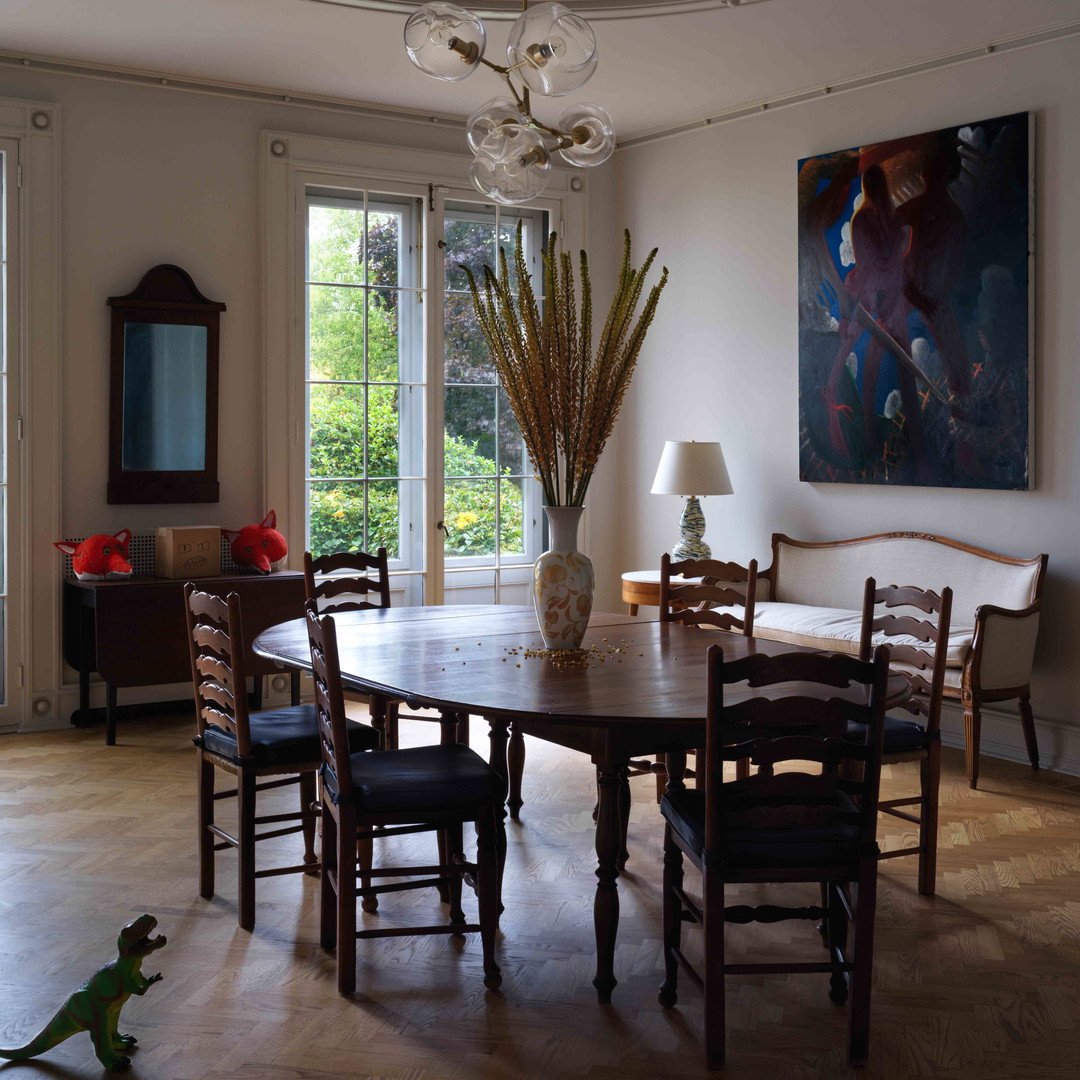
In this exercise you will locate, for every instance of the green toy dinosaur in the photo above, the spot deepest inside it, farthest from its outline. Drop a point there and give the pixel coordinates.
(95, 1006)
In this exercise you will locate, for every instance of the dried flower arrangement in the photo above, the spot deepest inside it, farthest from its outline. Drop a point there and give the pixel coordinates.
(565, 398)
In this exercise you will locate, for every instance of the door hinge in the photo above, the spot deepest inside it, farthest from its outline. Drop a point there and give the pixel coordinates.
(19, 428)
(21, 674)
(18, 176)
(431, 197)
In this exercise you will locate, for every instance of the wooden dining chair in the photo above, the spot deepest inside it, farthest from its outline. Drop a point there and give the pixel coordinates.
(356, 581)
(281, 743)
(920, 646)
(369, 797)
(723, 599)
(773, 827)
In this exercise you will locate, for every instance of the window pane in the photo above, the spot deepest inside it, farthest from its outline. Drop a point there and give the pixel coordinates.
(470, 517)
(508, 243)
(384, 255)
(336, 517)
(383, 517)
(384, 431)
(467, 358)
(335, 333)
(512, 456)
(385, 307)
(336, 244)
(468, 243)
(470, 431)
(511, 533)
(336, 431)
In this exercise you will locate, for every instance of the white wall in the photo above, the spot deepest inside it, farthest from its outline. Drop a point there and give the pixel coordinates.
(721, 359)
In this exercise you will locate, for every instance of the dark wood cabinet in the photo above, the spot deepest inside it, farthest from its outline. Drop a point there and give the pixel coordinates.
(132, 631)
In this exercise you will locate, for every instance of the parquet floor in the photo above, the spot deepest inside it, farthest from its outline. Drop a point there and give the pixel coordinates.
(981, 982)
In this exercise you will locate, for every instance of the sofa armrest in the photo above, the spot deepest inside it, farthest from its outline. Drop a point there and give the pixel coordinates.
(1003, 648)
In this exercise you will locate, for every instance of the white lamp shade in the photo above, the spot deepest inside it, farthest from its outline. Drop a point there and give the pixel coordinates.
(692, 468)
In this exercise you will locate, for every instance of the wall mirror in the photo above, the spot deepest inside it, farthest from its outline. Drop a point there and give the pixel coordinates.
(163, 401)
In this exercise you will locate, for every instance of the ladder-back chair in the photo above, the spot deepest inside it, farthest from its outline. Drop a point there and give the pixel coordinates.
(369, 797)
(281, 743)
(920, 646)
(790, 825)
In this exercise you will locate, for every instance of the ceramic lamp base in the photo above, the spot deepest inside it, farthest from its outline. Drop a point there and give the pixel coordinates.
(691, 531)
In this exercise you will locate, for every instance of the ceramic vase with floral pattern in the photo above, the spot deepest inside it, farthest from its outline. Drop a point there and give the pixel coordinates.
(563, 582)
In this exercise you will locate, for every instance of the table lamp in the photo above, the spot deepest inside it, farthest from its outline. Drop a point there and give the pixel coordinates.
(692, 469)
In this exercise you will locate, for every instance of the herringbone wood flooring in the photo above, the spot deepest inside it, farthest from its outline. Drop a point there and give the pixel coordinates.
(981, 981)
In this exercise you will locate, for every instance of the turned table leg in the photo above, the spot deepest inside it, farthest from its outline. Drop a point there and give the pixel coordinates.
(609, 779)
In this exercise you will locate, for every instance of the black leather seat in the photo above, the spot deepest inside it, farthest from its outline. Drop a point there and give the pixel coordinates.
(902, 736)
(283, 735)
(423, 778)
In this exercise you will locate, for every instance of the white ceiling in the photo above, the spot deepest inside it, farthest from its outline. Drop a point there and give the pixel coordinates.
(653, 72)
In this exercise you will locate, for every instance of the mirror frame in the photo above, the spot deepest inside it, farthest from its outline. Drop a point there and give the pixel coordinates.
(166, 294)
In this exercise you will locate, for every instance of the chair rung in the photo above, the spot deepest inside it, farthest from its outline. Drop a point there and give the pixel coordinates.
(900, 814)
(691, 973)
(226, 794)
(409, 931)
(900, 851)
(402, 886)
(888, 804)
(784, 969)
(397, 830)
(690, 908)
(279, 832)
(770, 913)
(305, 868)
(442, 870)
(278, 783)
(230, 841)
(296, 815)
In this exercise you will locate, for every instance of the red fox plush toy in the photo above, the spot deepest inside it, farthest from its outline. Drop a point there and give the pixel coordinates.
(99, 557)
(258, 547)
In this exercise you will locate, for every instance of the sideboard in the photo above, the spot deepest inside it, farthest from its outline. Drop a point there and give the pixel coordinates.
(133, 631)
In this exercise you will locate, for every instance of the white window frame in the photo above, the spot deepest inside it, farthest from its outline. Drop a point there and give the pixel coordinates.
(37, 697)
(291, 166)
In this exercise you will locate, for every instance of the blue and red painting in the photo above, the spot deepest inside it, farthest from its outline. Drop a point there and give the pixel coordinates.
(915, 311)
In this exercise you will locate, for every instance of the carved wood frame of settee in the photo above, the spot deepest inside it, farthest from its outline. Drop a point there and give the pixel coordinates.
(987, 640)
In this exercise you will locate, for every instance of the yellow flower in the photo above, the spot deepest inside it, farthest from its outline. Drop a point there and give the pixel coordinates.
(340, 513)
(465, 519)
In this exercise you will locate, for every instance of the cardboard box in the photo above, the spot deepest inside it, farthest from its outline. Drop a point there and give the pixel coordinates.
(188, 551)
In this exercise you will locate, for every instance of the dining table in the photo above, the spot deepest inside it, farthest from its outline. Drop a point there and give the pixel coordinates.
(635, 688)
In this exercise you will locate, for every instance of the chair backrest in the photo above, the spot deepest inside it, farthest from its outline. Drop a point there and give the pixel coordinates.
(726, 584)
(925, 642)
(329, 699)
(216, 642)
(807, 723)
(324, 580)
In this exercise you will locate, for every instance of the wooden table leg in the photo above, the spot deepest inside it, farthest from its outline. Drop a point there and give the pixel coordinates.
(609, 778)
(515, 764)
(499, 734)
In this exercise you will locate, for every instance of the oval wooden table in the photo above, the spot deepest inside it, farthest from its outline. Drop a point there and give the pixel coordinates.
(639, 691)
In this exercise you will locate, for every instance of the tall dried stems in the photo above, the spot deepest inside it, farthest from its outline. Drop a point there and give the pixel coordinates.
(564, 397)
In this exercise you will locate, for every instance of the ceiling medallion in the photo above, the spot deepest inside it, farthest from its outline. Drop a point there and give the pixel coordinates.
(506, 10)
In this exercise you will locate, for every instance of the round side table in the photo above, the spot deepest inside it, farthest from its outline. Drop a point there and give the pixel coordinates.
(643, 587)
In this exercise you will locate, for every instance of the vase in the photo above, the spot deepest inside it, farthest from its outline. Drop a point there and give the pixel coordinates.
(563, 582)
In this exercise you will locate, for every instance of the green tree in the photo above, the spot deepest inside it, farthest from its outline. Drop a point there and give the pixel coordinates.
(336, 412)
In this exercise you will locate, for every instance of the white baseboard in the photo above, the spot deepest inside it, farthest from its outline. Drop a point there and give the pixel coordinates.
(1002, 737)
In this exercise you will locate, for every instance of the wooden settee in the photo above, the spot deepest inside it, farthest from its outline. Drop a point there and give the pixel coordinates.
(812, 595)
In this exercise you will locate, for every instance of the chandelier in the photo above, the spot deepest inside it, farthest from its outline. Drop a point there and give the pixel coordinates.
(552, 52)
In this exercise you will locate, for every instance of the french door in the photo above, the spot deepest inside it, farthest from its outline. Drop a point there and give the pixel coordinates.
(410, 441)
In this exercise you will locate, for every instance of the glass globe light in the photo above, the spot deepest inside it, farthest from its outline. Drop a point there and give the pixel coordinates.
(599, 144)
(490, 120)
(512, 165)
(552, 49)
(445, 41)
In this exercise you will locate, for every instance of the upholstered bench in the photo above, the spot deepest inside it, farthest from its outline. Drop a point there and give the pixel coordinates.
(812, 595)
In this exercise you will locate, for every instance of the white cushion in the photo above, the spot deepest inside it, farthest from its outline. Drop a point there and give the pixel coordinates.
(839, 629)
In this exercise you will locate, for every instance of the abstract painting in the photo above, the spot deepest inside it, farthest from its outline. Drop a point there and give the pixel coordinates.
(915, 312)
